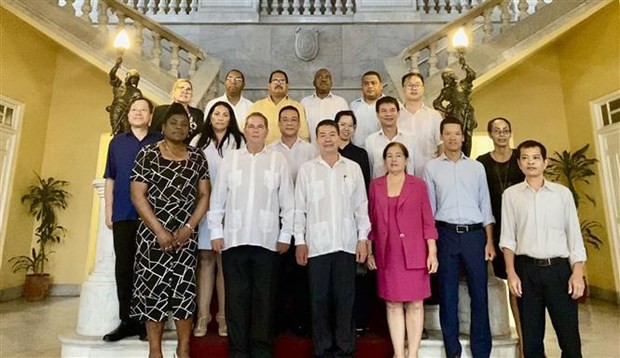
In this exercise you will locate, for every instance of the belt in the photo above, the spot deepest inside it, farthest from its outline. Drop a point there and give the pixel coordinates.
(543, 262)
(459, 228)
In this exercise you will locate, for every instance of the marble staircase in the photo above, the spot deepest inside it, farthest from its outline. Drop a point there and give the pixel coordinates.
(160, 55)
(500, 36)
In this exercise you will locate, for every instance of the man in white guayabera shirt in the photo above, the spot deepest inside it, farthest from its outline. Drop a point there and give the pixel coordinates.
(253, 195)
(331, 232)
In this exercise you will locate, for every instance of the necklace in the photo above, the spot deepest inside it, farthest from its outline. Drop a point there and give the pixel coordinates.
(172, 154)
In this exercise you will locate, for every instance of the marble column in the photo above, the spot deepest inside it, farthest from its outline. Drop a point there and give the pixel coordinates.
(98, 312)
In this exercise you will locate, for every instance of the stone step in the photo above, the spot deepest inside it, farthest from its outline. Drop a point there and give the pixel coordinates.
(286, 345)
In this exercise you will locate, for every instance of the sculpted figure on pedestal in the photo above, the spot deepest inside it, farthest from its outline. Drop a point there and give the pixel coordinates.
(123, 92)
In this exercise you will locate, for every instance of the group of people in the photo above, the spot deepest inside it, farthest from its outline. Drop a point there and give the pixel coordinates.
(278, 197)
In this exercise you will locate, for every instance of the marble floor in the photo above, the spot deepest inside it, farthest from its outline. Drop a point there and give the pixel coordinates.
(32, 329)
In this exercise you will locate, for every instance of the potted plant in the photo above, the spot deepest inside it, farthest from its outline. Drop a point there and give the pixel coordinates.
(43, 200)
(575, 170)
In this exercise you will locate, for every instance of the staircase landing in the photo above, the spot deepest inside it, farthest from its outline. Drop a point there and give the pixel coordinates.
(286, 345)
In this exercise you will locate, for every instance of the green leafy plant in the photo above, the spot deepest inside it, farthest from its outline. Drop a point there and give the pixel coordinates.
(43, 200)
(575, 170)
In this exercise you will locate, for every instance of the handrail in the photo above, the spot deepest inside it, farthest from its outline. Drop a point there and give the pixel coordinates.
(442, 32)
(155, 27)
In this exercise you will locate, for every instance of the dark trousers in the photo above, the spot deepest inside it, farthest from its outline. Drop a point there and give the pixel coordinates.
(124, 233)
(332, 294)
(364, 292)
(293, 300)
(547, 287)
(250, 281)
(452, 250)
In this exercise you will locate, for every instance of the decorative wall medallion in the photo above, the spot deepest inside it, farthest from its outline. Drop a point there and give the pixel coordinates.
(306, 44)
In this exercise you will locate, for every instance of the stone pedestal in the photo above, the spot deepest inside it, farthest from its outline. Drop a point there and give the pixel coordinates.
(498, 309)
(98, 312)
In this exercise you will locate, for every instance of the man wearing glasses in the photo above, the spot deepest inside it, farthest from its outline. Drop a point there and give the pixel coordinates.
(421, 121)
(276, 100)
(235, 83)
(502, 170)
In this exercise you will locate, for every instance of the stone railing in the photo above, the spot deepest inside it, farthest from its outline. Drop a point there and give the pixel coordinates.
(307, 7)
(160, 7)
(431, 54)
(162, 47)
(446, 6)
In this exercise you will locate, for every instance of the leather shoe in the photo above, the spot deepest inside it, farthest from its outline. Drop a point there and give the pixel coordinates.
(142, 332)
(124, 330)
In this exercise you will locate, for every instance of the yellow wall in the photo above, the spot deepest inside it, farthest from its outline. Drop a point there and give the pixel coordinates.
(26, 75)
(589, 59)
(65, 115)
(547, 98)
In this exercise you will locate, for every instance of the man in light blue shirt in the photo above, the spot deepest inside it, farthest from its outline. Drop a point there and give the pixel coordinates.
(461, 204)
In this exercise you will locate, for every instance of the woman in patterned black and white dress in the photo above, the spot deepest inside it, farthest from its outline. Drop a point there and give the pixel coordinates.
(170, 190)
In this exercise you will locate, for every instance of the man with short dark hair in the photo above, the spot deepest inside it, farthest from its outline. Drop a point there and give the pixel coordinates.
(276, 100)
(120, 214)
(421, 121)
(331, 233)
(459, 197)
(322, 104)
(544, 253)
(235, 83)
(387, 111)
(364, 107)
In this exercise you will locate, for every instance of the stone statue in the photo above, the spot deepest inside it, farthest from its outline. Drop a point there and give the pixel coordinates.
(457, 96)
(123, 94)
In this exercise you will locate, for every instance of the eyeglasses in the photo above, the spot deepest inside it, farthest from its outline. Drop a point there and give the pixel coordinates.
(501, 132)
(234, 79)
(277, 81)
(414, 85)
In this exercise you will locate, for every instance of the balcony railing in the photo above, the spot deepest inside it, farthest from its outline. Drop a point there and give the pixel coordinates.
(307, 7)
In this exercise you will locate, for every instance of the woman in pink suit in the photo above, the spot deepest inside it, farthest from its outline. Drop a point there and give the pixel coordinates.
(404, 252)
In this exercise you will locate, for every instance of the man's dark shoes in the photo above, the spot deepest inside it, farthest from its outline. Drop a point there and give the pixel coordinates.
(124, 330)
(142, 332)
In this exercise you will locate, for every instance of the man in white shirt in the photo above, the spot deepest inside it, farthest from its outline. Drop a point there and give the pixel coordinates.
(323, 104)
(331, 232)
(387, 110)
(293, 280)
(421, 121)
(235, 83)
(296, 150)
(254, 191)
(364, 107)
(544, 253)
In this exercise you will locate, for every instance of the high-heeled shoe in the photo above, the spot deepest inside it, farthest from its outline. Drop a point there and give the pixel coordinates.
(222, 328)
(200, 329)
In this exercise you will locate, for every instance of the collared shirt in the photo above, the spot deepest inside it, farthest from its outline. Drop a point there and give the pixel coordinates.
(360, 156)
(367, 121)
(331, 207)
(213, 156)
(241, 108)
(300, 153)
(254, 192)
(458, 191)
(122, 152)
(272, 112)
(376, 143)
(318, 109)
(424, 126)
(541, 224)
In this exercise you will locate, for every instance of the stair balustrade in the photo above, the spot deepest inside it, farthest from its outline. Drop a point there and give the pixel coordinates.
(167, 50)
(433, 53)
(307, 7)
